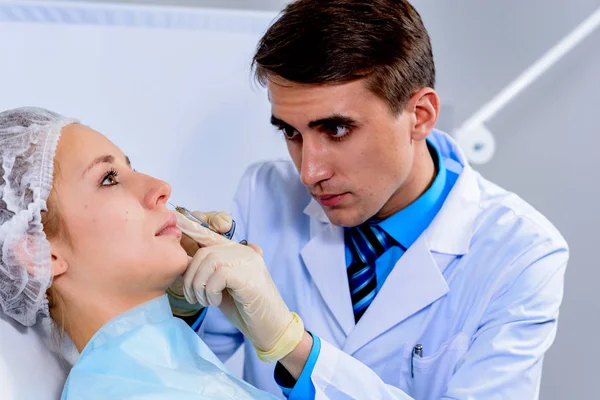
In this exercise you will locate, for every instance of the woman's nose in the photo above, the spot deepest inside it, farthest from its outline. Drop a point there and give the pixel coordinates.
(157, 194)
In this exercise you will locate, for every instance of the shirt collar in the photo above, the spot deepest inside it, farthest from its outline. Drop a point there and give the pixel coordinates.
(408, 224)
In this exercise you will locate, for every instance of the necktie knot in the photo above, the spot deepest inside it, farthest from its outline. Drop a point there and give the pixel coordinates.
(367, 242)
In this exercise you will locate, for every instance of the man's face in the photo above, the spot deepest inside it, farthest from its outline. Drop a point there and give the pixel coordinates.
(354, 155)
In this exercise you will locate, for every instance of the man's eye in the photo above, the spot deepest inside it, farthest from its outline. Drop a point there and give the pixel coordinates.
(340, 131)
(288, 132)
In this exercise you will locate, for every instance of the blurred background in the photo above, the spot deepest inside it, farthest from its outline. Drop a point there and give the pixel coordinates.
(169, 82)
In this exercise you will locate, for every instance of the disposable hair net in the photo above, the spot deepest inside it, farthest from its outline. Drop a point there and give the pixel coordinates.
(28, 141)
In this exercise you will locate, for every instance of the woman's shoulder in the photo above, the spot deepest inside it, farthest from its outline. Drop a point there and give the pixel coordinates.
(152, 361)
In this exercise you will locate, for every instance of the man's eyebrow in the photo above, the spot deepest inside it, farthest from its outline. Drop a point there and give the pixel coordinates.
(332, 120)
(279, 122)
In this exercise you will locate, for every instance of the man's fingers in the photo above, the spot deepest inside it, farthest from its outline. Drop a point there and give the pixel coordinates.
(218, 220)
(215, 286)
(206, 269)
(201, 235)
(202, 215)
(190, 274)
(256, 248)
(189, 245)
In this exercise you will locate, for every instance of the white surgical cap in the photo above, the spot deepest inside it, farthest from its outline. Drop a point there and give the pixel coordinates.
(28, 140)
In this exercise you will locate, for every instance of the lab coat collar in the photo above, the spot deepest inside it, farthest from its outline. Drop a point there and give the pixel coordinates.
(325, 258)
(453, 227)
(314, 210)
(415, 282)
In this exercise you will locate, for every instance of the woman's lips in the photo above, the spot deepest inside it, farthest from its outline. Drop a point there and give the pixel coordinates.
(169, 228)
(170, 231)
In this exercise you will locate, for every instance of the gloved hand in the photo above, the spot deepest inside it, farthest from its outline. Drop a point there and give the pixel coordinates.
(235, 278)
(219, 221)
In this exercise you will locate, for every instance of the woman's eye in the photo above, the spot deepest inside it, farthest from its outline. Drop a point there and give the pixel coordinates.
(110, 179)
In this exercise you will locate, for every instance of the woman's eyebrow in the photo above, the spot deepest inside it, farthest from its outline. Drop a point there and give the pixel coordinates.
(107, 158)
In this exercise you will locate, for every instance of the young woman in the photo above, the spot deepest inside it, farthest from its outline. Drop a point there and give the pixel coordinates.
(89, 241)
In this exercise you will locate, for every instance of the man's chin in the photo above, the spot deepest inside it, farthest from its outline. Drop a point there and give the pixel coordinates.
(344, 217)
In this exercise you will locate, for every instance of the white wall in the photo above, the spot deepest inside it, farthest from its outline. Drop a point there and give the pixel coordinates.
(271, 5)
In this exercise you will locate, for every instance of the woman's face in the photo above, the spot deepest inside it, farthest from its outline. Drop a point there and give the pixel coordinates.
(116, 235)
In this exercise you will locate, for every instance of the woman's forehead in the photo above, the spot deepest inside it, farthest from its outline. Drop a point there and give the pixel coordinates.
(79, 145)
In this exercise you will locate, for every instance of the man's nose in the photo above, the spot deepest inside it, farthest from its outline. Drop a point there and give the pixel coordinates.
(315, 166)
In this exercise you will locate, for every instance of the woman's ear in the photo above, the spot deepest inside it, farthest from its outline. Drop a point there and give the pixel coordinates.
(59, 263)
(23, 252)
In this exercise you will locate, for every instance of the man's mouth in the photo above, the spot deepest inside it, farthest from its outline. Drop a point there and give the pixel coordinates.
(331, 200)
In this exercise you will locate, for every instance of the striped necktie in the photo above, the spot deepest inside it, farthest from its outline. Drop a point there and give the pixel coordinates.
(366, 243)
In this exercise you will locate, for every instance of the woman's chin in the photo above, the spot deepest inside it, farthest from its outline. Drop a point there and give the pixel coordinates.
(183, 260)
(174, 259)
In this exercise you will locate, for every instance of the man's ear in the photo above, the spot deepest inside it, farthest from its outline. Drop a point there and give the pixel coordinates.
(425, 105)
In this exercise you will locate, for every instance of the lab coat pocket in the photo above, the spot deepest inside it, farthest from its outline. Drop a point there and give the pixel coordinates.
(429, 375)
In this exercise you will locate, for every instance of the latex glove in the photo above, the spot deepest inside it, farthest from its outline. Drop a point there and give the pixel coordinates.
(179, 305)
(219, 221)
(235, 278)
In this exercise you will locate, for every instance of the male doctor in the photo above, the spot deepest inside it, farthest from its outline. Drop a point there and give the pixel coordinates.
(415, 276)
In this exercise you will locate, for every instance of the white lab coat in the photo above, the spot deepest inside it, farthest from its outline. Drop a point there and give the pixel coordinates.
(480, 290)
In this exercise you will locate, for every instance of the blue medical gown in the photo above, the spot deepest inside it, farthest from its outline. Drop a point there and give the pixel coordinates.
(146, 353)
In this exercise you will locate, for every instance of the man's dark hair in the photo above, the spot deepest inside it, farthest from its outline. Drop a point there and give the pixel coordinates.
(338, 41)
